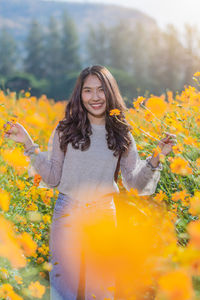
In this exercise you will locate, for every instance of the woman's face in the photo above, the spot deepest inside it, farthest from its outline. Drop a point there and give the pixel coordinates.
(93, 98)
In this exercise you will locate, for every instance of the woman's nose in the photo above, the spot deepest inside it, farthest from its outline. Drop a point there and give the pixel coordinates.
(95, 95)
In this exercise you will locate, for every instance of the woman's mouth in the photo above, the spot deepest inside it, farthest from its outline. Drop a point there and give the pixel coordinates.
(97, 105)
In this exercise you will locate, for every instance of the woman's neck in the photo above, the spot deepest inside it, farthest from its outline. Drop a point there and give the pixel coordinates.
(96, 121)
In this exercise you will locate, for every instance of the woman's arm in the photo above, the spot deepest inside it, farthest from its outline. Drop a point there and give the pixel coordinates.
(138, 174)
(47, 164)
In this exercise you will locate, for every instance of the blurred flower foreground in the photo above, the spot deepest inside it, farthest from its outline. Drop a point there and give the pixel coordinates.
(155, 251)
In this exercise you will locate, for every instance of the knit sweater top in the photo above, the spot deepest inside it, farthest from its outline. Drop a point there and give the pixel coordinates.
(86, 174)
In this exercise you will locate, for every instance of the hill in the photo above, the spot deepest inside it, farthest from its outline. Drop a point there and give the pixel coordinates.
(16, 15)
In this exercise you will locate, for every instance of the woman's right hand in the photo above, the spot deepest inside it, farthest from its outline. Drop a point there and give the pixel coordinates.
(17, 133)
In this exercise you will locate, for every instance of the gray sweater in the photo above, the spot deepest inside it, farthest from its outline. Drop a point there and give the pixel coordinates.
(85, 174)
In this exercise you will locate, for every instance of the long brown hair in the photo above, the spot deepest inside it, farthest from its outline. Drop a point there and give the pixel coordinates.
(75, 126)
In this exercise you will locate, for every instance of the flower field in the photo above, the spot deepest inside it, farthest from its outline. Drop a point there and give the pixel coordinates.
(160, 234)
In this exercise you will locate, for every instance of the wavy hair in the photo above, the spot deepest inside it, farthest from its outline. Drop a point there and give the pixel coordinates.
(76, 129)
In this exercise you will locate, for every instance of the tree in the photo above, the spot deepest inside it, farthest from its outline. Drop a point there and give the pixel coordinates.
(69, 46)
(53, 59)
(34, 61)
(8, 54)
(138, 53)
(119, 50)
(97, 45)
(154, 66)
(172, 59)
(191, 57)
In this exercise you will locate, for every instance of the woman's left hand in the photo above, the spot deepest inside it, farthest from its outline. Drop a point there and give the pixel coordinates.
(167, 143)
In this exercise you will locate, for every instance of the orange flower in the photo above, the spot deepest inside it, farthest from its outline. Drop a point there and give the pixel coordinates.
(195, 204)
(148, 116)
(157, 106)
(176, 285)
(4, 200)
(182, 195)
(115, 112)
(37, 290)
(178, 148)
(16, 159)
(9, 247)
(29, 246)
(159, 197)
(198, 162)
(194, 232)
(157, 151)
(139, 101)
(190, 141)
(37, 179)
(180, 166)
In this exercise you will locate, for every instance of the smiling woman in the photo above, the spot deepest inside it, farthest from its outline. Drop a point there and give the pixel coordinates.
(90, 145)
(94, 99)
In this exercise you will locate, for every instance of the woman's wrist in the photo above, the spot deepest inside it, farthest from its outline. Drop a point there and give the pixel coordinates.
(28, 144)
(154, 161)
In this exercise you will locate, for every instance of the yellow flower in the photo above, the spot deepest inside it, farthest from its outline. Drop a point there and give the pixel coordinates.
(197, 74)
(198, 162)
(37, 290)
(32, 207)
(47, 266)
(4, 273)
(4, 200)
(46, 219)
(7, 292)
(18, 279)
(38, 236)
(20, 184)
(115, 112)
(27, 94)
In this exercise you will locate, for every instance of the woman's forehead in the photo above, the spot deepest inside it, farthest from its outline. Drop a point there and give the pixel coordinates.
(92, 80)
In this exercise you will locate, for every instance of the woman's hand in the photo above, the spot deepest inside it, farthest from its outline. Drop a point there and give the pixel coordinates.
(165, 145)
(17, 133)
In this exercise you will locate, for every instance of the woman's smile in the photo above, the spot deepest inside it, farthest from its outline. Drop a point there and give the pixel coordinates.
(96, 105)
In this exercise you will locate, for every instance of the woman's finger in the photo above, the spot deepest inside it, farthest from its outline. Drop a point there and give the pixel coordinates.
(169, 134)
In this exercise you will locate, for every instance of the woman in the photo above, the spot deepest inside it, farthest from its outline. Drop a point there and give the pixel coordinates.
(89, 146)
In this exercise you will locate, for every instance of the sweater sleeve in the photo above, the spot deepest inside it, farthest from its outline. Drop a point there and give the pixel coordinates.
(137, 173)
(48, 164)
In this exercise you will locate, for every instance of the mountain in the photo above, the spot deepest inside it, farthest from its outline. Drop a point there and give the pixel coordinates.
(16, 15)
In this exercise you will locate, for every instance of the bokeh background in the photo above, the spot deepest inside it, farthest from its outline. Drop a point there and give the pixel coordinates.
(150, 46)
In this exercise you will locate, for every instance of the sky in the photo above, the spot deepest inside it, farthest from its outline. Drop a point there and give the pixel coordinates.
(177, 12)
